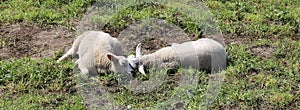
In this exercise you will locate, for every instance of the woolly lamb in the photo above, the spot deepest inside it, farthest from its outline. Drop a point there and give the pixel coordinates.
(98, 52)
(205, 54)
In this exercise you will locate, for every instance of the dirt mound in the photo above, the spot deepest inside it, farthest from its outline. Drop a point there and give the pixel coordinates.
(20, 40)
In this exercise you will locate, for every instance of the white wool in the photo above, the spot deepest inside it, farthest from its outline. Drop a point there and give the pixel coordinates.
(210, 55)
(161, 57)
(92, 48)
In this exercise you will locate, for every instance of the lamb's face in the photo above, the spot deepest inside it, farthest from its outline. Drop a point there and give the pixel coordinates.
(119, 64)
(136, 63)
(124, 64)
(132, 61)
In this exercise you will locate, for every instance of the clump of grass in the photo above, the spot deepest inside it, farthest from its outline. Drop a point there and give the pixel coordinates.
(147, 11)
(42, 12)
(259, 19)
(254, 82)
(27, 83)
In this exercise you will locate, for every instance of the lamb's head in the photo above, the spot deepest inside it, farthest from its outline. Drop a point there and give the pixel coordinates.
(119, 64)
(133, 61)
(136, 61)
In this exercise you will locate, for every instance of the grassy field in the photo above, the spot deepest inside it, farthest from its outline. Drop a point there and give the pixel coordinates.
(262, 41)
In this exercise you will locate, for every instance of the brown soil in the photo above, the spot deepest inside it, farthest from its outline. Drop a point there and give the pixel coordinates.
(19, 40)
(263, 51)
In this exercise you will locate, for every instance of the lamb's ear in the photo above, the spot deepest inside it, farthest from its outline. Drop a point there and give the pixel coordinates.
(111, 56)
(138, 50)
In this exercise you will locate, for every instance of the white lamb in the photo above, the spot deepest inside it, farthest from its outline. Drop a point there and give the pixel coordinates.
(98, 52)
(204, 54)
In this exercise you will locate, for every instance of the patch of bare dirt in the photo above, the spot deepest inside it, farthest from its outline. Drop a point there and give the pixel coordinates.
(238, 39)
(264, 51)
(20, 40)
(152, 44)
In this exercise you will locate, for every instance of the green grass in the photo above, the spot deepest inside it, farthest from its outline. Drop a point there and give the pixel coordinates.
(251, 79)
(28, 84)
(147, 11)
(259, 18)
(255, 82)
(48, 12)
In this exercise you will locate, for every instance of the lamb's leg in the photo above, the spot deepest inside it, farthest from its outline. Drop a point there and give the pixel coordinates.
(83, 69)
(73, 49)
(70, 52)
(86, 67)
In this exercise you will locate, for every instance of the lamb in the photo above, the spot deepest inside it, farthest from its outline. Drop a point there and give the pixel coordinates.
(98, 52)
(204, 54)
